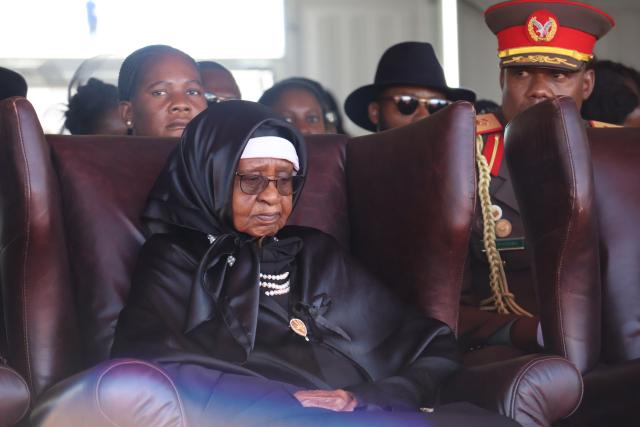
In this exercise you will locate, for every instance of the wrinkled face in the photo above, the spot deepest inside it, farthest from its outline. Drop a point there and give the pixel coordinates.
(385, 114)
(220, 83)
(300, 107)
(265, 213)
(168, 95)
(523, 87)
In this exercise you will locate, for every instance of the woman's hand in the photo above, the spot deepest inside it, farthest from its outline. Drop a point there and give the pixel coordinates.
(335, 400)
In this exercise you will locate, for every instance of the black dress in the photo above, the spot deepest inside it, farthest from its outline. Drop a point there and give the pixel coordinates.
(196, 305)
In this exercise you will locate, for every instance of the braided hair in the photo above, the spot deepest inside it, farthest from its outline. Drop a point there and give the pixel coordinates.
(89, 106)
(129, 76)
(11, 84)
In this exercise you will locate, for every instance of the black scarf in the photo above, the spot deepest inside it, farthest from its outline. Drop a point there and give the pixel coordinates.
(194, 192)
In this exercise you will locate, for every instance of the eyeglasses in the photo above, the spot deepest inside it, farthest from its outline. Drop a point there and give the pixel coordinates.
(408, 104)
(212, 98)
(255, 184)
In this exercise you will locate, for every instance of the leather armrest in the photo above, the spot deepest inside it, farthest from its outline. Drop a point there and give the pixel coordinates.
(534, 390)
(122, 392)
(15, 397)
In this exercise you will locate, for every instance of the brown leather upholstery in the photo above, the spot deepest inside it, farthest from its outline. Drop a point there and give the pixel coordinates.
(578, 193)
(104, 182)
(123, 392)
(34, 268)
(69, 233)
(534, 390)
(549, 161)
(616, 158)
(414, 224)
(14, 396)
(323, 203)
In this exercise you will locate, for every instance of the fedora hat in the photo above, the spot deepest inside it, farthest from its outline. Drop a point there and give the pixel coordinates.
(403, 64)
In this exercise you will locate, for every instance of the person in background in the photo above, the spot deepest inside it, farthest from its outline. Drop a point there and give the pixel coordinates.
(545, 50)
(409, 85)
(332, 115)
(219, 84)
(11, 84)
(616, 95)
(336, 121)
(301, 102)
(160, 91)
(94, 110)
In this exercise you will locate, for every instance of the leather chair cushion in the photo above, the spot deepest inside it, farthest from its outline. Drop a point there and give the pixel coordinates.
(104, 184)
(14, 397)
(616, 156)
(323, 203)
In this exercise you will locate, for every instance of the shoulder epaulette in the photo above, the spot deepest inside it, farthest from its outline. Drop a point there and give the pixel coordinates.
(487, 123)
(597, 124)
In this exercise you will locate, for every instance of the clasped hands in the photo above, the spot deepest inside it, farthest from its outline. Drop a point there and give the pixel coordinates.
(336, 400)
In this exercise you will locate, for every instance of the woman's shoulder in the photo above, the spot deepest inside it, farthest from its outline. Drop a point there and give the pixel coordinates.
(185, 243)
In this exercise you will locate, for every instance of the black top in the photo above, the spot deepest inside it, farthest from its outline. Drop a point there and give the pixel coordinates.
(196, 301)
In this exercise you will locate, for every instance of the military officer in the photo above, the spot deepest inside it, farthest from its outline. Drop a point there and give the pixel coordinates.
(545, 50)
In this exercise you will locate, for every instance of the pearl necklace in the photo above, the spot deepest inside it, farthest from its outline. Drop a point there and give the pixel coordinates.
(269, 281)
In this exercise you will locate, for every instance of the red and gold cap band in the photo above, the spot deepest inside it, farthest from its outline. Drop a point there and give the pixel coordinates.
(546, 33)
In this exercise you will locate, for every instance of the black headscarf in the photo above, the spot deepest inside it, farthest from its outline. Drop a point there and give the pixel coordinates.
(194, 192)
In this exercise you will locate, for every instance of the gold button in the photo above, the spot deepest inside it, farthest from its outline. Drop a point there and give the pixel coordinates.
(503, 228)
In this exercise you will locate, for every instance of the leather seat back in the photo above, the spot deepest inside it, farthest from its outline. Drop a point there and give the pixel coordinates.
(550, 163)
(616, 166)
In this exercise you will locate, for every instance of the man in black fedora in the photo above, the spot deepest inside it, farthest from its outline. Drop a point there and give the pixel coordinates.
(409, 85)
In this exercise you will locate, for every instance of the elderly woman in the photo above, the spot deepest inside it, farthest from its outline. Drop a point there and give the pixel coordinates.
(227, 296)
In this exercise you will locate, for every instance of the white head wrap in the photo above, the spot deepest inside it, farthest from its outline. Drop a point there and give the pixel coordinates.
(271, 147)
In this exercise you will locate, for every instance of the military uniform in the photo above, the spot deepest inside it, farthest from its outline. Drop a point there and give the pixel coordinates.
(550, 34)
(476, 326)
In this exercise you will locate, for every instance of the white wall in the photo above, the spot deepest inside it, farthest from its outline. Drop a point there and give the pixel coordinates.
(339, 42)
(478, 53)
(622, 44)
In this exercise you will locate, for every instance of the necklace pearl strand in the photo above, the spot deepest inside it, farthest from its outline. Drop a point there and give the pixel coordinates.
(275, 288)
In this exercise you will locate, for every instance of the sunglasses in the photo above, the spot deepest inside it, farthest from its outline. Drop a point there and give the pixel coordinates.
(408, 104)
(253, 184)
(212, 98)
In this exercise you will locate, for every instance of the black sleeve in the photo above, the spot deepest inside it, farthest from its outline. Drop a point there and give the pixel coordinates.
(416, 384)
(152, 322)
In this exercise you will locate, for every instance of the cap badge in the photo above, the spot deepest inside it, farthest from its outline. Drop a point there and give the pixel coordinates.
(542, 26)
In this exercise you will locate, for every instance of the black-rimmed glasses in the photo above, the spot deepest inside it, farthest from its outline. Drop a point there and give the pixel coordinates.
(255, 184)
(408, 104)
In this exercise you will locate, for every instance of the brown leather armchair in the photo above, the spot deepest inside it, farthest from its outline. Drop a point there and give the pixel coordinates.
(14, 396)
(578, 192)
(70, 234)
